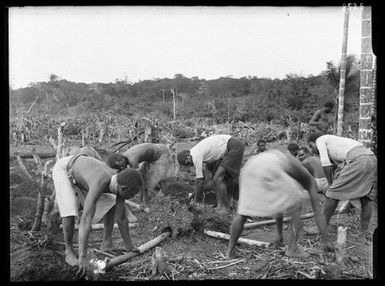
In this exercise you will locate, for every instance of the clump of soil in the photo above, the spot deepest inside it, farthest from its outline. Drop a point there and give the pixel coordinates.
(205, 217)
(30, 264)
(166, 212)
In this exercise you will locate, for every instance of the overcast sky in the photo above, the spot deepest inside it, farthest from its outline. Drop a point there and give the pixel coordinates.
(102, 44)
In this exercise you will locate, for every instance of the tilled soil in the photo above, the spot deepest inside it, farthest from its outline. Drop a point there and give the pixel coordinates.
(190, 254)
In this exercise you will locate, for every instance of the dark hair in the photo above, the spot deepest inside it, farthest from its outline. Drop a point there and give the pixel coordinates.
(292, 147)
(181, 156)
(132, 180)
(314, 136)
(329, 104)
(117, 161)
(261, 141)
(305, 149)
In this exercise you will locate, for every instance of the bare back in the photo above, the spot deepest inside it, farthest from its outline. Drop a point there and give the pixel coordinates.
(92, 174)
(320, 121)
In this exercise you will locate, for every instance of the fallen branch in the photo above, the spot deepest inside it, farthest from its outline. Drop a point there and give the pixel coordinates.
(306, 275)
(220, 261)
(286, 219)
(123, 258)
(227, 265)
(240, 240)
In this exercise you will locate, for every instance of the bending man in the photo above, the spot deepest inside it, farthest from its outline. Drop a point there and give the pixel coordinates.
(356, 178)
(229, 150)
(320, 120)
(157, 165)
(272, 183)
(101, 192)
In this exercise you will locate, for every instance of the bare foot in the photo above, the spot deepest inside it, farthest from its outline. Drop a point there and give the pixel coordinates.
(234, 253)
(297, 252)
(277, 242)
(106, 245)
(71, 257)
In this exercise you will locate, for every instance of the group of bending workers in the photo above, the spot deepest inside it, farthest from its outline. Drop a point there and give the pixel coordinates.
(272, 183)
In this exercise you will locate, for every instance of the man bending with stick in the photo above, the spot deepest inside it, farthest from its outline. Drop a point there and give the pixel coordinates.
(102, 192)
(227, 151)
(272, 183)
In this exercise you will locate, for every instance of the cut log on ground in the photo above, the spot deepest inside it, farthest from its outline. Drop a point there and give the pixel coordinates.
(98, 226)
(27, 155)
(286, 219)
(240, 240)
(144, 247)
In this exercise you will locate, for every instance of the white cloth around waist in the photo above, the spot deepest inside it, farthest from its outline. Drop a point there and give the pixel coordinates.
(66, 198)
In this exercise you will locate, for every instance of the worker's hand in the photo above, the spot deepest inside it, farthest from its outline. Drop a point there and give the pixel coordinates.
(82, 272)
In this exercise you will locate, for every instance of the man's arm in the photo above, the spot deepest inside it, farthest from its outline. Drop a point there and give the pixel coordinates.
(316, 122)
(85, 228)
(309, 167)
(122, 220)
(327, 166)
(301, 175)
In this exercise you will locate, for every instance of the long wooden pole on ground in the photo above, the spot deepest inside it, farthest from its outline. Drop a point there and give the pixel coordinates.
(144, 247)
(240, 240)
(286, 219)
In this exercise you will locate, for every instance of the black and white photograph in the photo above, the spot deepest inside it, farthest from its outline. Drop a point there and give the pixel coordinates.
(151, 143)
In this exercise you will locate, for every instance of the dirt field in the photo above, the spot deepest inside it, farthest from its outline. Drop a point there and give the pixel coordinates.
(190, 255)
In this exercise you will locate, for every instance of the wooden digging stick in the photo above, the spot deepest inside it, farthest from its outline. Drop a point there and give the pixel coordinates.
(144, 247)
(240, 240)
(286, 219)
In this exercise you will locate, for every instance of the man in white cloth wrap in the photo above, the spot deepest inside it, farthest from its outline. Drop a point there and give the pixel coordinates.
(357, 176)
(229, 150)
(101, 191)
(273, 183)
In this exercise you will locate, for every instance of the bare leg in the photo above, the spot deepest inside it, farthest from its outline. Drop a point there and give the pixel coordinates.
(279, 223)
(220, 188)
(108, 221)
(366, 213)
(294, 231)
(235, 232)
(68, 231)
(329, 208)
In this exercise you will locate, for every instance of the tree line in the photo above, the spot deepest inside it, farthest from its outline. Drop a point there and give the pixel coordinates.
(226, 99)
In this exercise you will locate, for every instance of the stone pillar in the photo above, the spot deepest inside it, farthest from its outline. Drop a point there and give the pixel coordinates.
(366, 79)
